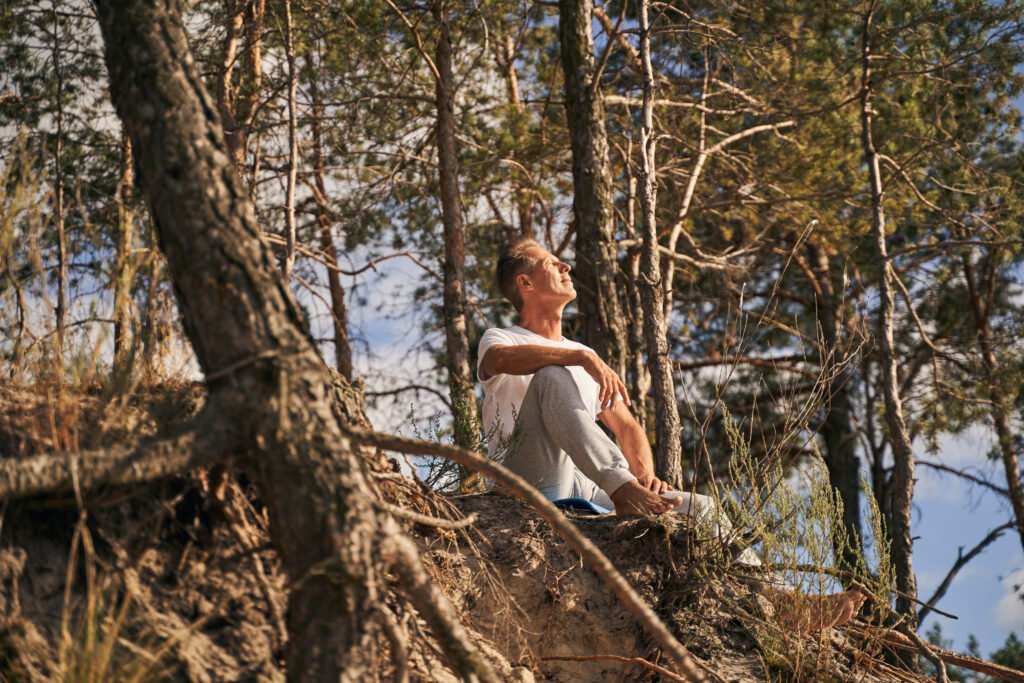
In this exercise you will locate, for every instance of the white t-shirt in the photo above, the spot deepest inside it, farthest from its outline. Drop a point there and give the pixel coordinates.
(503, 394)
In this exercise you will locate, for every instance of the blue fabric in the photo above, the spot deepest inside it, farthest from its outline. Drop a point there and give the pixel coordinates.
(580, 505)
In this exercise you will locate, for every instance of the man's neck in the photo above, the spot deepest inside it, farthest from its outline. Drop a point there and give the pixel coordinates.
(547, 324)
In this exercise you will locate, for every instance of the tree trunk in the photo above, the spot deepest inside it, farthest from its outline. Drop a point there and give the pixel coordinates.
(837, 431)
(637, 374)
(460, 376)
(997, 396)
(265, 377)
(592, 206)
(899, 439)
(238, 100)
(339, 311)
(293, 144)
(61, 311)
(668, 450)
(124, 263)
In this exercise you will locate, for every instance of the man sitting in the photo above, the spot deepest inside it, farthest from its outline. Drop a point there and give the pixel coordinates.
(552, 391)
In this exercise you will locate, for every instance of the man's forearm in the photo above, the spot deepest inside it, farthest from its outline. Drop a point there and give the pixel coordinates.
(526, 359)
(634, 445)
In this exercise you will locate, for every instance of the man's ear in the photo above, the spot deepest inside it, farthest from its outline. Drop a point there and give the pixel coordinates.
(523, 280)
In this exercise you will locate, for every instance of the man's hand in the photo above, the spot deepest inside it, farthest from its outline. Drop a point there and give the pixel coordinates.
(611, 386)
(652, 483)
(633, 499)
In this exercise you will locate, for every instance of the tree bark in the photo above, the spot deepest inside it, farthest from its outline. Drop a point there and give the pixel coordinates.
(262, 369)
(58, 201)
(124, 263)
(238, 99)
(460, 376)
(668, 450)
(997, 396)
(325, 223)
(899, 439)
(592, 205)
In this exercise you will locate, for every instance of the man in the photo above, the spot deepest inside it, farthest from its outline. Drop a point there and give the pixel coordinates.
(543, 397)
(557, 389)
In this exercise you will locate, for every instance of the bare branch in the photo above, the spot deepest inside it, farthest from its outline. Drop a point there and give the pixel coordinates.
(410, 387)
(322, 258)
(961, 561)
(964, 475)
(698, 167)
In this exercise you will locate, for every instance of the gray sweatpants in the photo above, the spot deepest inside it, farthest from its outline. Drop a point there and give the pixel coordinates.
(561, 450)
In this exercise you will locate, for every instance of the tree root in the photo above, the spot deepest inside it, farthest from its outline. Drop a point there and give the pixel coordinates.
(434, 607)
(150, 459)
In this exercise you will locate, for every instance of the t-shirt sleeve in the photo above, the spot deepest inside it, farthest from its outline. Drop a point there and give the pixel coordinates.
(492, 337)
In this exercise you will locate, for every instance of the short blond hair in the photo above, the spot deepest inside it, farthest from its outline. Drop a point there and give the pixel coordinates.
(513, 262)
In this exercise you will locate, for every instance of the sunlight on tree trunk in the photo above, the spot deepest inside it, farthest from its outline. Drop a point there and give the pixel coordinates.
(592, 205)
(668, 452)
(460, 376)
(899, 439)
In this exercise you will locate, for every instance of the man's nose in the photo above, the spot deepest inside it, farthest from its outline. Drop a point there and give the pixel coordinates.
(564, 267)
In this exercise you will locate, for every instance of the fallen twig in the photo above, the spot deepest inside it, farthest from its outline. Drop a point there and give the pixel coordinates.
(662, 671)
(900, 641)
(427, 520)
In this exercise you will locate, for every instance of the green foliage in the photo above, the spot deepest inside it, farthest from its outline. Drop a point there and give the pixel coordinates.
(934, 636)
(1011, 653)
(794, 520)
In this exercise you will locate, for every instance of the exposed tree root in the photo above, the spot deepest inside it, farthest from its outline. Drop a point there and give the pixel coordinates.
(151, 459)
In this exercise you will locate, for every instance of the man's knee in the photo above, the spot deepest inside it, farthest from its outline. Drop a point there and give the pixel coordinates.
(552, 374)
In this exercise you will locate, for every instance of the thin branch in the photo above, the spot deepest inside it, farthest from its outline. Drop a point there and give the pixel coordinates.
(845, 576)
(411, 387)
(698, 167)
(321, 257)
(427, 520)
(964, 475)
(416, 36)
(961, 561)
(635, 102)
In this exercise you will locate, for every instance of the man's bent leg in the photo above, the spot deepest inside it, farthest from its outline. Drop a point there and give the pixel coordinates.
(557, 435)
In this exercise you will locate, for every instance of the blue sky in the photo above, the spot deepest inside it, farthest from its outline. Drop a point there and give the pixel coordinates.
(952, 513)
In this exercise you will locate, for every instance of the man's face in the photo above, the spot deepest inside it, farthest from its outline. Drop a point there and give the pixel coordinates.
(549, 279)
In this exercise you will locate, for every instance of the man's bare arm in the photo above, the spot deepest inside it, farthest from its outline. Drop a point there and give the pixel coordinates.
(526, 359)
(633, 443)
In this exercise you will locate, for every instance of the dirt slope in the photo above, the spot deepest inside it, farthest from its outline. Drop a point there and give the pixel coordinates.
(176, 579)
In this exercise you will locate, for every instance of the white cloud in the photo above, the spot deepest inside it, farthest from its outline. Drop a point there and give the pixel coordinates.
(1009, 611)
